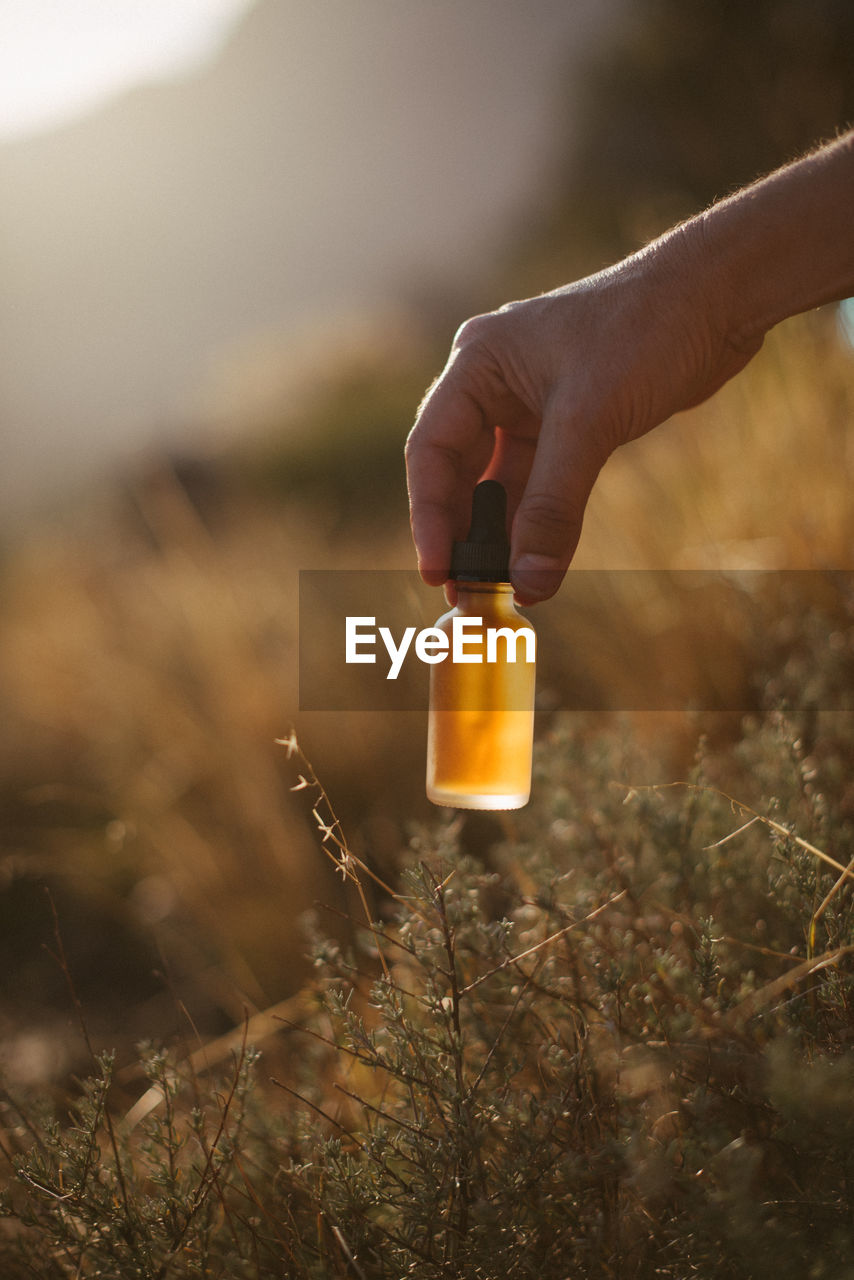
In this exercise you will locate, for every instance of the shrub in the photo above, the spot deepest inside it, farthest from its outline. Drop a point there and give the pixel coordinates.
(619, 1045)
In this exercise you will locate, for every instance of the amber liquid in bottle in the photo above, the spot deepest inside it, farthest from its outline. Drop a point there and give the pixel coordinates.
(480, 726)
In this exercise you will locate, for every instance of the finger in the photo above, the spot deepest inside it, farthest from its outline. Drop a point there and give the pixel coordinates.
(547, 525)
(447, 450)
(451, 445)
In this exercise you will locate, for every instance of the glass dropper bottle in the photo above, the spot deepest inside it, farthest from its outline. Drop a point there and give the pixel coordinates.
(480, 726)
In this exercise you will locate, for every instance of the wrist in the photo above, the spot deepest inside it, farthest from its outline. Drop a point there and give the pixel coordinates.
(781, 246)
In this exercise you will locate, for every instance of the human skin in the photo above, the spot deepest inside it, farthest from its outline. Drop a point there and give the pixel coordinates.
(539, 393)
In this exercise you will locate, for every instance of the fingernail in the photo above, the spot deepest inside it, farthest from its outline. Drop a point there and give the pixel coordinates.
(535, 577)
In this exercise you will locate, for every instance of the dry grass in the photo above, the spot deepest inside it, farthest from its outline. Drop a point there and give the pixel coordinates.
(147, 671)
(148, 663)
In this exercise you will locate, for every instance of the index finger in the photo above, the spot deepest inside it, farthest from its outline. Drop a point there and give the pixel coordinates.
(447, 451)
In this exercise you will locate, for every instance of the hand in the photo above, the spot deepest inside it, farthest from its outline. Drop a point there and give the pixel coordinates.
(539, 393)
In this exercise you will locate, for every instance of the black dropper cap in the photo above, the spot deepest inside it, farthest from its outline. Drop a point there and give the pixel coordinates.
(485, 554)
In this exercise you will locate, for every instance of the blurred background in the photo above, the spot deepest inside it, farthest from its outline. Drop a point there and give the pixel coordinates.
(236, 239)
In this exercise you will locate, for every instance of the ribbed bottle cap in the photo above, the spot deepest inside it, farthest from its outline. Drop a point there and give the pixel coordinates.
(485, 554)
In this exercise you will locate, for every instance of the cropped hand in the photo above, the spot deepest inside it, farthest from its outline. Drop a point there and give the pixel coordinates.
(538, 395)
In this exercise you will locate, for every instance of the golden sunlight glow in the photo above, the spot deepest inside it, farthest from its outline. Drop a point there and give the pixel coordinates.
(59, 58)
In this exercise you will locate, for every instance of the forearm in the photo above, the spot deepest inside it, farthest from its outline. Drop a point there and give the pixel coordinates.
(783, 245)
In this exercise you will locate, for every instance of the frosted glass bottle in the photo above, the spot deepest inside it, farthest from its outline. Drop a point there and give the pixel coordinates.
(480, 727)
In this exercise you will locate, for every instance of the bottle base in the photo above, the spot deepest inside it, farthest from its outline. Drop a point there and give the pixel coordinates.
(460, 800)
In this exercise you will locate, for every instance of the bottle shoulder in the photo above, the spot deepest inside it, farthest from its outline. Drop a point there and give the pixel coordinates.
(493, 610)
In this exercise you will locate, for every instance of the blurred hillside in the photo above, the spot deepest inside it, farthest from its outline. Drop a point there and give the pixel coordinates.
(335, 158)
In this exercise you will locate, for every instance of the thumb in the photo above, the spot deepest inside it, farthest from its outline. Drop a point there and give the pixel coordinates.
(547, 524)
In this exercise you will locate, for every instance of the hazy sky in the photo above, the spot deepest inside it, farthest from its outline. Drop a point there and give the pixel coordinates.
(165, 254)
(61, 57)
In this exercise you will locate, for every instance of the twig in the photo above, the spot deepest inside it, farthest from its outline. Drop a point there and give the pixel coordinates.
(576, 924)
(847, 872)
(344, 860)
(62, 960)
(209, 1174)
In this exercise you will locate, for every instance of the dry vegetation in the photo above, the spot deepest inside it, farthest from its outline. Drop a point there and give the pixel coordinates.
(615, 1040)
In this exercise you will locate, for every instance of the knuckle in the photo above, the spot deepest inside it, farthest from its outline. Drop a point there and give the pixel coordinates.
(476, 341)
(472, 332)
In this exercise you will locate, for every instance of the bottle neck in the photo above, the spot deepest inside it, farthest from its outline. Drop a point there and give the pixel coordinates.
(475, 596)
